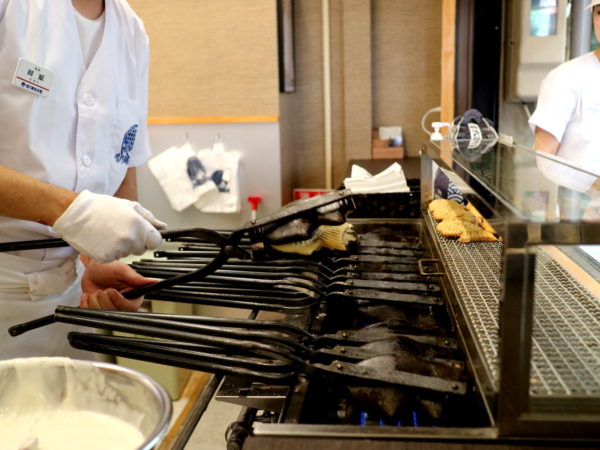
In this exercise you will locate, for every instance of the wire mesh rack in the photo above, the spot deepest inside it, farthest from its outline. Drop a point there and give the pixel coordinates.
(566, 331)
(566, 322)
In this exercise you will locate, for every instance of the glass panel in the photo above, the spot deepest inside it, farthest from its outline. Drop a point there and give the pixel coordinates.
(565, 358)
(536, 186)
(542, 18)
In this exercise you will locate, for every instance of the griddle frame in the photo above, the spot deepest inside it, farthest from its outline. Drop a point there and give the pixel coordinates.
(515, 413)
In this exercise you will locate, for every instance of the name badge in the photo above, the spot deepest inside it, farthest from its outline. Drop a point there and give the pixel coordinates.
(33, 78)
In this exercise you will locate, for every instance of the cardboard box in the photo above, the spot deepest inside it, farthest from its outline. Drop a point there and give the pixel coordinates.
(387, 153)
(381, 148)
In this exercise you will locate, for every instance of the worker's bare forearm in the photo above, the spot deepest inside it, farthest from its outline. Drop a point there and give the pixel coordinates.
(545, 141)
(128, 187)
(24, 197)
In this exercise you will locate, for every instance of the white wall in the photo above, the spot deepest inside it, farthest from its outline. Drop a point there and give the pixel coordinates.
(260, 171)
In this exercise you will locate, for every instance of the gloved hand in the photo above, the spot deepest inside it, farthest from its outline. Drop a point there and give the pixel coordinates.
(107, 228)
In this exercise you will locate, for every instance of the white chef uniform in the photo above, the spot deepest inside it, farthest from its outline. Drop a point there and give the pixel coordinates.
(569, 108)
(84, 135)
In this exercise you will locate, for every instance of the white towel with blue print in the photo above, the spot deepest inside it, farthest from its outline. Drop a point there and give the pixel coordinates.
(182, 176)
(223, 167)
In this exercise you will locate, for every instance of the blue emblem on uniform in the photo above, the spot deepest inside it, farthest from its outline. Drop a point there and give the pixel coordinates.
(127, 145)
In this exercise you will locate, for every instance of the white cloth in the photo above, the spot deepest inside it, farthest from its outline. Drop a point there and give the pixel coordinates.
(223, 169)
(568, 107)
(181, 175)
(92, 126)
(391, 179)
(38, 279)
(84, 135)
(90, 35)
(30, 291)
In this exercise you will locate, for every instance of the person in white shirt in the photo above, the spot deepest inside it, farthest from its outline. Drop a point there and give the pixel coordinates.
(73, 99)
(567, 118)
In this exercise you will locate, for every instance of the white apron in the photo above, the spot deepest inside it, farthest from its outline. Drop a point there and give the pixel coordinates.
(31, 289)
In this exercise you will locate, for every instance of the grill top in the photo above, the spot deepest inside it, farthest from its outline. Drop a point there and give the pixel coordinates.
(566, 329)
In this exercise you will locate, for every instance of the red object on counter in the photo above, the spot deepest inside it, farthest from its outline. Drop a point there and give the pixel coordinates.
(299, 194)
(254, 200)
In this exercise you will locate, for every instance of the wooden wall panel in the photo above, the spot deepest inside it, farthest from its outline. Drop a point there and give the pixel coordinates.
(406, 62)
(302, 138)
(212, 58)
(350, 29)
(338, 87)
(302, 128)
(357, 61)
(448, 56)
(385, 58)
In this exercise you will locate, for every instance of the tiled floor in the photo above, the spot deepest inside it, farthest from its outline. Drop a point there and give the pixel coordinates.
(210, 432)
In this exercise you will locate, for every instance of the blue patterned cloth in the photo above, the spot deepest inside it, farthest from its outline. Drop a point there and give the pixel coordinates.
(127, 146)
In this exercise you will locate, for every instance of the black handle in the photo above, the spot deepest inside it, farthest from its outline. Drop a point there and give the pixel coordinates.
(199, 233)
(32, 245)
(212, 266)
(31, 325)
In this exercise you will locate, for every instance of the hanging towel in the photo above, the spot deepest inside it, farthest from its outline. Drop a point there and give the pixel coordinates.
(182, 176)
(223, 170)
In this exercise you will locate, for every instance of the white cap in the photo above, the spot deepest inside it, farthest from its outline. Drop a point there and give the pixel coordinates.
(593, 3)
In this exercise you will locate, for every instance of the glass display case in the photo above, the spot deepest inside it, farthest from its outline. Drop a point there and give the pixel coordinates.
(527, 305)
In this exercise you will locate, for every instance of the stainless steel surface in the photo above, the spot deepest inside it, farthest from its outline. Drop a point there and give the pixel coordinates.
(566, 330)
(143, 392)
(244, 392)
(364, 432)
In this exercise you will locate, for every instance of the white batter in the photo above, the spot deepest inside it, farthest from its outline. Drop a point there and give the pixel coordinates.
(51, 403)
(67, 430)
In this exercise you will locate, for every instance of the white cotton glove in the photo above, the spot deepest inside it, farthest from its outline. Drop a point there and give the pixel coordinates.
(107, 228)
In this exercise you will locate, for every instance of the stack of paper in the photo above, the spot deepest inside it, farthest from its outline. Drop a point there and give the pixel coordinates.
(391, 179)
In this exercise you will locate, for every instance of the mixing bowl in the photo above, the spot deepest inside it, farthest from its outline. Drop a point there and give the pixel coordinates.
(34, 388)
